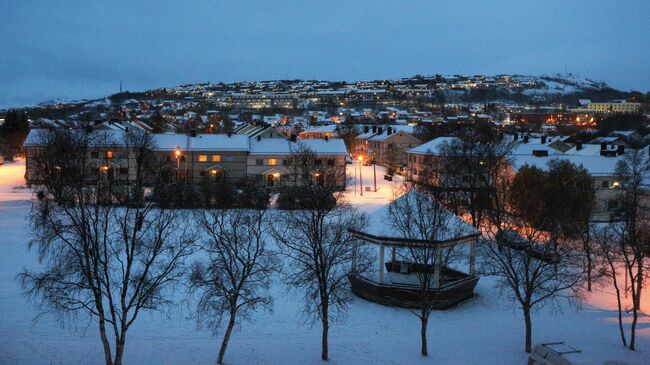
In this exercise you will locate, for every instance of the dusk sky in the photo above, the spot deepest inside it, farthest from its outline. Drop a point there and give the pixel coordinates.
(83, 49)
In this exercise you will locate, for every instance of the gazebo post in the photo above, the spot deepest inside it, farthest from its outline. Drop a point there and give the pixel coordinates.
(381, 263)
(472, 257)
(437, 268)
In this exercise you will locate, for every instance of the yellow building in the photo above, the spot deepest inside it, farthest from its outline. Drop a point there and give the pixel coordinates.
(615, 107)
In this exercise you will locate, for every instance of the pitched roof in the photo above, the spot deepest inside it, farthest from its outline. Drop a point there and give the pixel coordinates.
(380, 228)
(434, 146)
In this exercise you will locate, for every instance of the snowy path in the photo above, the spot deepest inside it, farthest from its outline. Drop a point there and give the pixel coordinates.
(485, 330)
(371, 200)
(12, 181)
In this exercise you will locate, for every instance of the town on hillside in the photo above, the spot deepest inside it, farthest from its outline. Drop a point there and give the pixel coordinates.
(448, 197)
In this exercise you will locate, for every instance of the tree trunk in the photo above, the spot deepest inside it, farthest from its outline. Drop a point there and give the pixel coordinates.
(324, 354)
(619, 306)
(635, 317)
(424, 319)
(107, 346)
(529, 329)
(589, 268)
(226, 337)
(119, 349)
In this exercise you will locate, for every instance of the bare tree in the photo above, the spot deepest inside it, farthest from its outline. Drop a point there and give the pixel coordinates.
(609, 260)
(427, 228)
(632, 226)
(468, 171)
(101, 259)
(319, 248)
(533, 267)
(236, 276)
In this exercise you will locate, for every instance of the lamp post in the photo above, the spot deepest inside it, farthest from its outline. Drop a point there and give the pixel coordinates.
(374, 170)
(360, 176)
(178, 164)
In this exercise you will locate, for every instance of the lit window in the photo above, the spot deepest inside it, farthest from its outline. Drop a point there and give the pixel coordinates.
(273, 162)
(216, 158)
(203, 158)
(109, 154)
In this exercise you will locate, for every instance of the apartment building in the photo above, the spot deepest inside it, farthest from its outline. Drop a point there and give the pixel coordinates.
(263, 156)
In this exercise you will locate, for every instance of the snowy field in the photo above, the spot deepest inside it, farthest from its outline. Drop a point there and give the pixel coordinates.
(485, 330)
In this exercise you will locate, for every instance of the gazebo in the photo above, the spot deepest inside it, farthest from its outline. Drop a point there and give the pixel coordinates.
(396, 282)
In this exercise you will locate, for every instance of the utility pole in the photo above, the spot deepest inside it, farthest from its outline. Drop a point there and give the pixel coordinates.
(374, 172)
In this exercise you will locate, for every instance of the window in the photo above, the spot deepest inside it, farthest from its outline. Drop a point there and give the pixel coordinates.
(317, 162)
(203, 158)
(124, 170)
(259, 162)
(182, 158)
(109, 154)
(168, 158)
(273, 161)
(94, 154)
(216, 158)
(605, 184)
(330, 162)
(202, 173)
(285, 162)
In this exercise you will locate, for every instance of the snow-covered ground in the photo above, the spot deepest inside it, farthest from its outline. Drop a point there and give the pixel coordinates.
(485, 330)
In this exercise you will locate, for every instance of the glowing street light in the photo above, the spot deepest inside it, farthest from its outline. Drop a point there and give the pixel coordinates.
(178, 164)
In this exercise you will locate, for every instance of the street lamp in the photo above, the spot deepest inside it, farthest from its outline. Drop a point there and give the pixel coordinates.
(178, 164)
(360, 176)
(374, 170)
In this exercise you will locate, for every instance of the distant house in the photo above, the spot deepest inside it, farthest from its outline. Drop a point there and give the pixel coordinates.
(320, 132)
(387, 146)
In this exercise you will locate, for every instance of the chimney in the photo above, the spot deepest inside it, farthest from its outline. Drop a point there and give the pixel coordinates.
(229, 134)
(259, 138)
(366, 129)
(292, 138)
(603, 146)
(380, 130)
(192, 132)
(621, 149)
(374, 129)
(578, 146)
(543, 139)
(525, 139)
(516, 135)
(126, 129)
(389, 130)
(327, 138)
(500, 136)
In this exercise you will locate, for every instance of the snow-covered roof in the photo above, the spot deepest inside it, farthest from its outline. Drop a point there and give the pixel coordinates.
(522, 148)
(379, 226)
(589, 150)
(595, 165)
(273, 146)
(37, 136)
(323, 147)
(330, 128)
(202, 142)
(434, 146)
